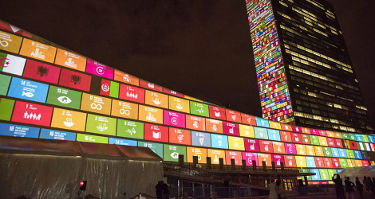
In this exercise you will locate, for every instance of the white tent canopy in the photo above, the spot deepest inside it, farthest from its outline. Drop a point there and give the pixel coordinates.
(360, 172)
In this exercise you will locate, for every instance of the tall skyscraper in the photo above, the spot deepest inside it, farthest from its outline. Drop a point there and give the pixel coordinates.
(305, 75)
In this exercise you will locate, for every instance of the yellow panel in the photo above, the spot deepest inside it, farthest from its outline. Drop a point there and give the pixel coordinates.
(216, 155)
(310, 150)
(156, 99)
(10, 42)
(275, 125)
(350, 163)
(301, 149)
(38, 50)
(318, 151)
(67, 119)
(149, 114)
(323, 141)
(246, 131)
(236, 143)
(301, 161)
(96, 104)
(70, 60)
(124, 109)
(200, 152)
(179, 104)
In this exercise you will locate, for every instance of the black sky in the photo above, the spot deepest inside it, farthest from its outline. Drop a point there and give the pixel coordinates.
(199, 48)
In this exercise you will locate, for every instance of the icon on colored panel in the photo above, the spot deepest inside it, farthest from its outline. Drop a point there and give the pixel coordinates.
(4, 39)
(156, 135)
(68, 122)
(37, 53)
(179, 106)
(174, 155)
(105, 87)
(64, 99)
(100, 70)
(75, 79)
(102, 127)
(150, 117)
(70, 62)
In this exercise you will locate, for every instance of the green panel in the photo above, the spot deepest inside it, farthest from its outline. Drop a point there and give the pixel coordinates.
(314, 140)
(305, 171)
(197, 108)
(4, 84)
(171, 152)
(6, 108)
(331, 172)
(101, 124)
(352, 137)
(130, 129)
(64, 97)
(155, 147)
(260, 133)
(324, 175)
(365, 138)
(345, 136)
(115, 87)
(343, 163)
(327, 151)
(348, 144)
(350, 154)
(91, 138)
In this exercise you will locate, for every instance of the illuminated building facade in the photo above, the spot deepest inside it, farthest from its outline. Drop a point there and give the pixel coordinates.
(305, 76)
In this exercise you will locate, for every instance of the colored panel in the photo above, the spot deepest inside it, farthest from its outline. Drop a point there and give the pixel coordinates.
(339, 143)
(6, 107)
(371, 138)
(323, 141)
(246, 131)
(70, 60)
(314, 140)
(343, 163)
(126, 78)
(317, 174)
(200, 139)
(57, 135)
(149, 114)
(11, 64)
(156, 133)
(305, 139)
(262, 122)
(219, 141)
(92, 138)
(297, 129)
(231, 128)
(252, 145)
(335, 163)
(274, 125)
(199, 152)
(67, 119)
(266, 146)
(130, 129)
(327, 162)
(249, 158)
(365, 138)
(319, 162)
(331, 142)
(314, 132)
(301, 161)
(278, 147)
(30, 113)
(277, 159)
(10, 42)
(318, 151)
(342, 153)
(174, 119)
(18, 131)
(324, 175)
(4, 84)
(330, 134)
(215, 126)
(131, 93)
(310, 162)
(101, 125)
(76, 80)
(217, 112)
(290, 148)
(99, 69)
(358, 137)
(273, 134)
(179, 104)
(233, 116)
(350, 153)
(357, 154)
(353, 145)
(305, 130)
(296, 138)
(327, 151)
(171, 92)
(199, 109)
(290, 161)
(119, 141)
(64, 97)
(286, 127)
(124, 109)
(155, 147)
(285, 136)
(192, 98)
(156, 99)
(38, 50)
(260, 133)
(41, 71)
(236, 143)
(266, 158)
(149, 85)
(179, 136)
(195, 123)
(236, 155)
(335, 152)
(28, 90)
(301, 149)
(216, 155)
(96, 104)
(248, 119)
(171, 152)
(310, 150)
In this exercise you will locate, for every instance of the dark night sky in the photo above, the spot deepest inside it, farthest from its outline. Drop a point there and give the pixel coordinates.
(199, 48)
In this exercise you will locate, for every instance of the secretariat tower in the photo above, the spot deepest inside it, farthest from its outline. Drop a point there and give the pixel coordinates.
(305, 75)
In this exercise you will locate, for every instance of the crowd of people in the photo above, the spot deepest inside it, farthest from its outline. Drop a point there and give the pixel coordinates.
(350, 190)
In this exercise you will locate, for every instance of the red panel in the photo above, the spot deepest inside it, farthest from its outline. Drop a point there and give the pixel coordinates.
(335, 163)
(156, 133)
(266, 146)
(290, 161)
(328, 163)
(285, 136)
(149, 85)
(251, 145)
(41, 71)
(105, 87)
(31, 113)
(248, 119)
(217, 112)
(233, 116)
(296, 137)
(319, 162)
(132, 93)
(171, 92)
(353, 145)
(75, 80)
(331, 142)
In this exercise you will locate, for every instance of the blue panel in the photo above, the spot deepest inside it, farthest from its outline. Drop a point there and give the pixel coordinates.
(359, 137)
(342, 153)
(317, 174)
(28, 90)
(18, 131)
(273, 134)
(357, 154)
(364, 155)
(371, 138)
(262, 122)
(219, 141)
(310, 162)
(200, 139)
(261, 133)
(119, 141)
(57, 135)
(335, 152)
